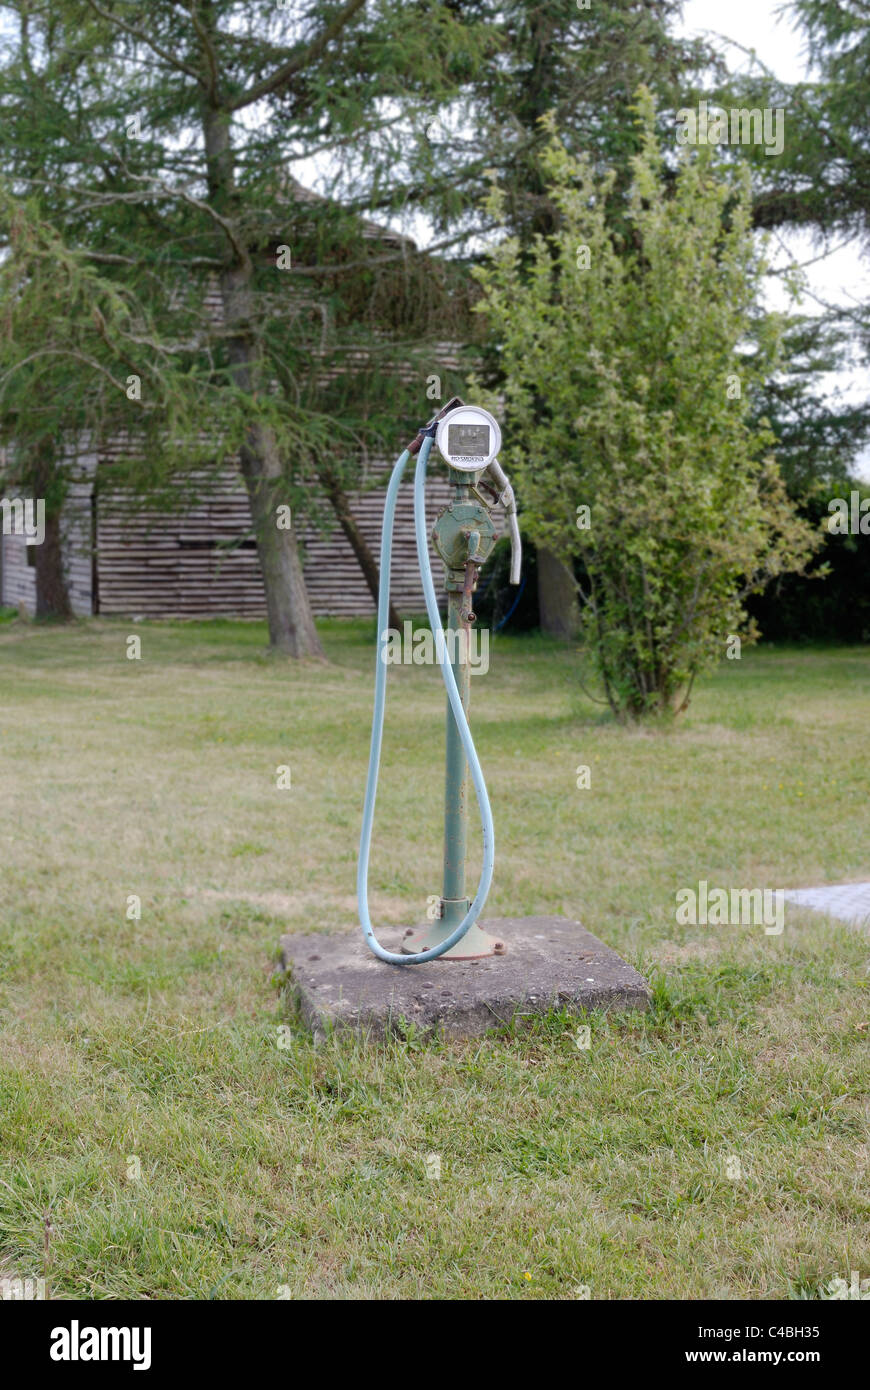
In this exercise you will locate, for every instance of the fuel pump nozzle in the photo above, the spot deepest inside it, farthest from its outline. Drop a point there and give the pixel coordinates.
(509, 502)
(429, 427)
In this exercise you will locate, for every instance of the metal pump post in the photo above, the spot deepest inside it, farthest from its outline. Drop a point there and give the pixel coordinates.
(463, 536)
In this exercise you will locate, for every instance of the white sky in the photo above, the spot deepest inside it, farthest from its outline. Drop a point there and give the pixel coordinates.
(842, 275)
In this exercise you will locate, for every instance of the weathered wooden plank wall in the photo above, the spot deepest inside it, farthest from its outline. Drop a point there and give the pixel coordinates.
(18, 575)
(153, 564)
(19, 579)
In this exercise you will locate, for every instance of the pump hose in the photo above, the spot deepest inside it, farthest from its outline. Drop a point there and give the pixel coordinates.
(394, 957)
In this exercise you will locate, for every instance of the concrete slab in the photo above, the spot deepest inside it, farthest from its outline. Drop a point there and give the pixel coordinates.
(549, 961)
(848, 902)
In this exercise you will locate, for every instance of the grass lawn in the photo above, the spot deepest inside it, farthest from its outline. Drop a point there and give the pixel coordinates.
(182, 1153)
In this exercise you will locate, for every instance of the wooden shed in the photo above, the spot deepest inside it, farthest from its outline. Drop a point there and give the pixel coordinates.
(124, 557)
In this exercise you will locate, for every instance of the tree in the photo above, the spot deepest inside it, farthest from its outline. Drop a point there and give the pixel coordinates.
(820, 181)
(161, 151)
(583, 64)
(68, 335)
(817, 440)
(627, 381)
(817, 437)
(822, 176)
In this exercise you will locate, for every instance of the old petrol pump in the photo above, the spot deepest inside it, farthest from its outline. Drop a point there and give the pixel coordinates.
(468, 439)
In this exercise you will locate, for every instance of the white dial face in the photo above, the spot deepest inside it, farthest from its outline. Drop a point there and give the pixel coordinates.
(468, 438)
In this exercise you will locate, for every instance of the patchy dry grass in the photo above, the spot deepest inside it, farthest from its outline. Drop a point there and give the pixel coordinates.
(155, 1041)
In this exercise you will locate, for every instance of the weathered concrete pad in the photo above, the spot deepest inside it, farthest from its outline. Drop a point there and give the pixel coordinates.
(338, 983)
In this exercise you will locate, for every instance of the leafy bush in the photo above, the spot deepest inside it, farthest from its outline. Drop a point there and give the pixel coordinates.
(627, 380)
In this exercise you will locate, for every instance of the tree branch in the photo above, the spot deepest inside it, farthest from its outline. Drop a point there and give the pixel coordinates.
(301, 59)
(63, 352)
(143, 37)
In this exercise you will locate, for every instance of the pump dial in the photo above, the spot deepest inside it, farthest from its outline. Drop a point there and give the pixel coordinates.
(468, 438)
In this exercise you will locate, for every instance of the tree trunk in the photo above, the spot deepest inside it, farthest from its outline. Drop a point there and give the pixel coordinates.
(557, 597)
(291, 624)
(52, 594)
(357, 541)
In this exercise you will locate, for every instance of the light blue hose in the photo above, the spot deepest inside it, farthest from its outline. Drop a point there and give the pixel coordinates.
(394, 957)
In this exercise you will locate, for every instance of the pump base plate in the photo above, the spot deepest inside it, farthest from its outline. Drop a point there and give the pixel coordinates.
(549, 962)
(475, 944)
